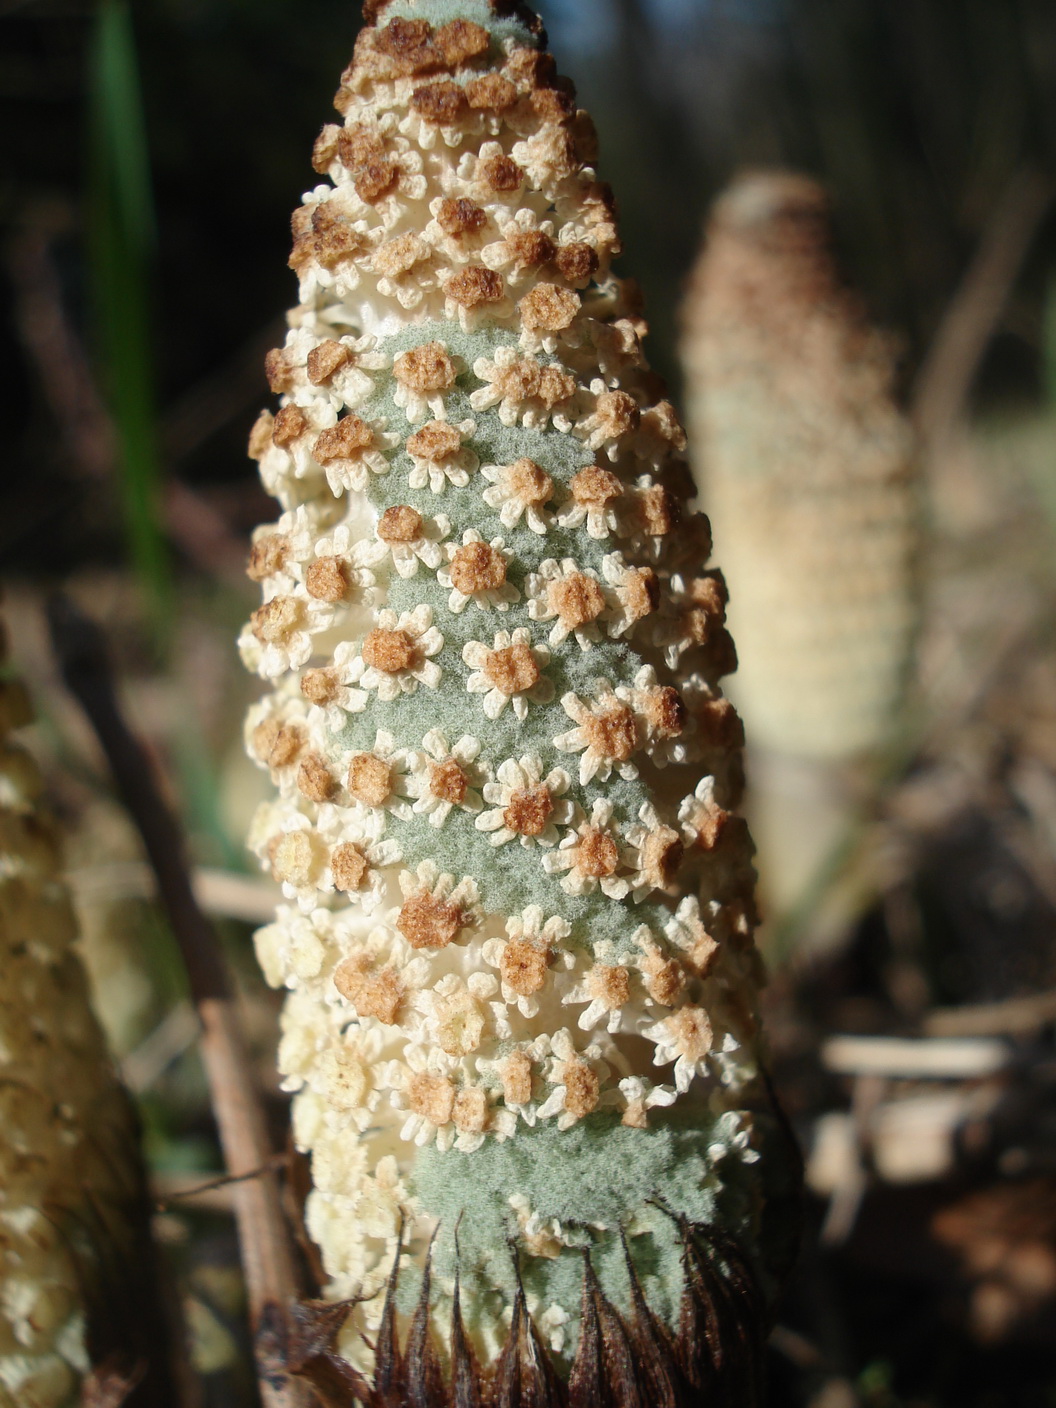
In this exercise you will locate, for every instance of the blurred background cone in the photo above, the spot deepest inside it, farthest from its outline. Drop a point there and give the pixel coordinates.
(805, 465)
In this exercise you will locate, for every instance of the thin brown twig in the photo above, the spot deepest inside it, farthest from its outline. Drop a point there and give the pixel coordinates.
(74, 399)
(201, 532)
(211, 403)
(55, 352)
(165, 1199)
(945, 379)
(1015, 1016)
(267, 1256)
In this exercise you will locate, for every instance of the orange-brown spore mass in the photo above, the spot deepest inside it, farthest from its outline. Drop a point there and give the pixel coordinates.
(425, 369)
(576, 599)
(370, 779)
(426, 921)
(448, 782)
(529, 810)
(389, 651)
(612, 732)
(477, 567)
(523, 966)
(400, 524)
(511, 669)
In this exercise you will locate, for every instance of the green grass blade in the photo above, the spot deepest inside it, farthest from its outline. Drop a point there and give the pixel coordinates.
(121, 224)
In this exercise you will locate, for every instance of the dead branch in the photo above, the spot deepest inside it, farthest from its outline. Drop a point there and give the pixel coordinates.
(211, 403)
(945, 379)
(905, 1058)
(169, 1188)
(1016, 1016)
(220, 892)
(73, 397)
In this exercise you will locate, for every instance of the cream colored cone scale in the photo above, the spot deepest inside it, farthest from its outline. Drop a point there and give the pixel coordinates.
(68, 1177)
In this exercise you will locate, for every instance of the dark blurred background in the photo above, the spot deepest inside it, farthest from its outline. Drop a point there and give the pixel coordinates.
(917, 113)
(149, 163)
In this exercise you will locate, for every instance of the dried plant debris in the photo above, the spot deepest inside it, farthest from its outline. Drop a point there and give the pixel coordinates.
(1005, 1239)
(629, 1360)
(72, 1264)
(517, 934)
(805, 464)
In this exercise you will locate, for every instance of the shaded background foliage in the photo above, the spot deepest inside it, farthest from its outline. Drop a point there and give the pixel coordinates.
(916, 113)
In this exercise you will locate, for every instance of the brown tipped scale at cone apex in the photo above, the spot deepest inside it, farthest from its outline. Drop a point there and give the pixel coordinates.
(529, 1079)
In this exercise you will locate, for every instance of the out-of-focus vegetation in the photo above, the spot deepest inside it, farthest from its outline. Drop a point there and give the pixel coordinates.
(135, 309)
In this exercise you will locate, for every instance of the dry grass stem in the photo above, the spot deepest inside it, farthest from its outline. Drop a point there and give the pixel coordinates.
(945, 379)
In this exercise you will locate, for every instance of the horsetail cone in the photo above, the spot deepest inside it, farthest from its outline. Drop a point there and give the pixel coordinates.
(517, 934)
(68, 1176)
(804, 462)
